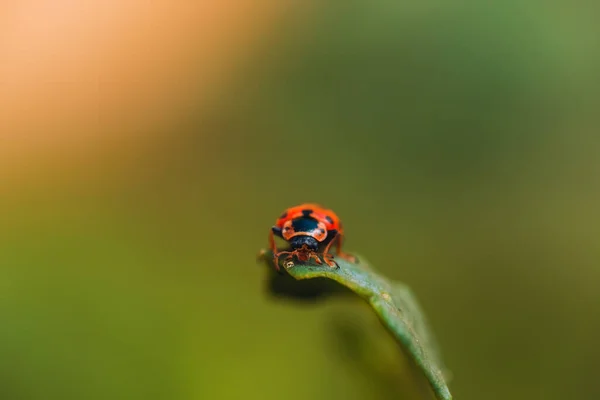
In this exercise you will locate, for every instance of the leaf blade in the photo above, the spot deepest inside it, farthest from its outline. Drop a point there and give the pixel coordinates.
(397, 308)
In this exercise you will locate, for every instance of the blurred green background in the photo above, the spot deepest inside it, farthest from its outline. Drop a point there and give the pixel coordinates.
(459, 144)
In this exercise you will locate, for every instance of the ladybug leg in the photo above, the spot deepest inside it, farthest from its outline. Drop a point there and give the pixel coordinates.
(289, 253)
(328, 258)
(326, 251)
(316, 258)
(273, 248)
(339, 251)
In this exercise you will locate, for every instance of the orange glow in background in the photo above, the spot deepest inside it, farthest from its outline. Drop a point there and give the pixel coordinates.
(76, 76)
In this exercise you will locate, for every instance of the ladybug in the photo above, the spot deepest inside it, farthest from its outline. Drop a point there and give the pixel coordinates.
(310, 230)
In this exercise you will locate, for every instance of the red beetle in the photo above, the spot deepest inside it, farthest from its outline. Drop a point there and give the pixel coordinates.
(310, 230)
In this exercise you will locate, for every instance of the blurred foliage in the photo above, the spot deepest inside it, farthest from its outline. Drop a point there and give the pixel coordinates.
(458, 142)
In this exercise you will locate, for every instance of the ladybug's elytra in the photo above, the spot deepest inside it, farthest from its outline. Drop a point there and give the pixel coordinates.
(310, 230)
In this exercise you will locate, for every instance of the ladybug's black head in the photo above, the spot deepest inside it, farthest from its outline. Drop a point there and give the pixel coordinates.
(297, 242)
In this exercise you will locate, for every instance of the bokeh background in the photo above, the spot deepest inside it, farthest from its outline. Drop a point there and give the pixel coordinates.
(146, 149)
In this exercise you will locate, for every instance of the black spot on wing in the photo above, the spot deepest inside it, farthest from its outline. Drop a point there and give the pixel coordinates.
(307, 212)
(283, 215)
(277, 231)
(328, 218)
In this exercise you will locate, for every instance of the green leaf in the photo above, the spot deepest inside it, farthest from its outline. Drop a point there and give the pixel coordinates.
(394, 304)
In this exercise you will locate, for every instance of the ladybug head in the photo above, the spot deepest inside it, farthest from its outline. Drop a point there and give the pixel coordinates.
(297, 242)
